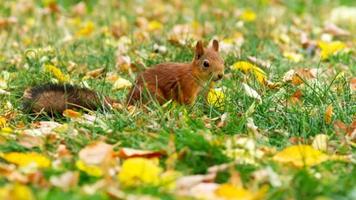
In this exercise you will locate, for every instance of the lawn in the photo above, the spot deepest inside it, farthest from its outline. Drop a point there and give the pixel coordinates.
(281, 124)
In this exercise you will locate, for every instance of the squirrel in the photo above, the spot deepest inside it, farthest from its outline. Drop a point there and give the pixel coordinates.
(181, 82)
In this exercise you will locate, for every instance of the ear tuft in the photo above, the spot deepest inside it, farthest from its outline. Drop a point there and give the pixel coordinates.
(199, 49)
(215, 45)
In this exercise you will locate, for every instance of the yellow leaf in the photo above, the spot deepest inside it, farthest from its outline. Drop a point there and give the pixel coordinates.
(301, 155)
(56, 72)
(168, 179)
(26, 159)
(329, 49)
(139, 171)
(248, 67)
(21, 192)
(216, 97)
(295, 57)
(91, 170)
(121, 83)
(228, 191)
(320, 142)
(154, 25)
(16, 192)
(328, 114)
(248, 16)
(2, 122)
(87, 29)
(6, 130)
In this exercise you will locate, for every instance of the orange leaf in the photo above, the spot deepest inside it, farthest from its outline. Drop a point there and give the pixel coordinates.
(71, 113)
(328, 114)
(353, 84)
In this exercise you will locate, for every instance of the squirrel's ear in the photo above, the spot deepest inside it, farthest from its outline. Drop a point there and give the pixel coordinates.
(199, 49)
(215, 45)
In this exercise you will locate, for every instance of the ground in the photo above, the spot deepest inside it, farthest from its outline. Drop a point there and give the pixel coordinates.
(280, 125)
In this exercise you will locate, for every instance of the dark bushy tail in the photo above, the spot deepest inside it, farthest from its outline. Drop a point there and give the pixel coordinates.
(55, 98)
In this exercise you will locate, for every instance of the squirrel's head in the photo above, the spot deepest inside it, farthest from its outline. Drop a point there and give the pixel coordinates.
(208, 65)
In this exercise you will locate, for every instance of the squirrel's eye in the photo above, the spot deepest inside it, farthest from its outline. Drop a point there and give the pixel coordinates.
(206, 63)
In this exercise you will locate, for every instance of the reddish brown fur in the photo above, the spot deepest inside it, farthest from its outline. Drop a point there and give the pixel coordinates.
(181, 82)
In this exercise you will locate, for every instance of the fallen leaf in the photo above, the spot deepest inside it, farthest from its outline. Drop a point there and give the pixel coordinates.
(248, 16)
(263, 63)
(320, 142)
(2, 122)
(295, 57)
(129, 153)
(139, 171)
(334, 30)
(66, 180)
(251, 92)
(71, 113)
(16, 192)
(91, 170)
(228, 191)
(43, 128)
(30, 141)
(248, 67)
(300, 155)
(27, 159)
(329, 49)
(154, 25)
(86, 29)
(187, 182)
(56, 72)
(328, 114)
(96, 153)
(121, 83)
(267, 174)
(216, 97)
(353, 84)
(95, 73)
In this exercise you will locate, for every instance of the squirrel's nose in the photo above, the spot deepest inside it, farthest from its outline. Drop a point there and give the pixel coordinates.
(220, 76)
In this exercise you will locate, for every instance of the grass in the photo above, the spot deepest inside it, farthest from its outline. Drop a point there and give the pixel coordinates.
(37, 38)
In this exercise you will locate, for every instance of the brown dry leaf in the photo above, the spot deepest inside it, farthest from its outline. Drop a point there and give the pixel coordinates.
(79, 9)
(202, 191)
(296, 97)
(42, 128)
(96, 153)
(30, 141)
(123, 63)
(129, 153)
(335, 30)
(96, 72)
(66, 180)
(296, 77)
(187, 182)
(63, 152)
(328, 114)
(263, 63)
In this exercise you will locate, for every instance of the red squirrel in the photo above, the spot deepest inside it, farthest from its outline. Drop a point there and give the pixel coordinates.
(181, 82)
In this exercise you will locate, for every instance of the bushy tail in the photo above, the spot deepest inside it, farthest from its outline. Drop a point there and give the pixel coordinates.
(55, 98)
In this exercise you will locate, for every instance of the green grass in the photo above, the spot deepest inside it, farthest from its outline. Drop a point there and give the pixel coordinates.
(155, 128)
